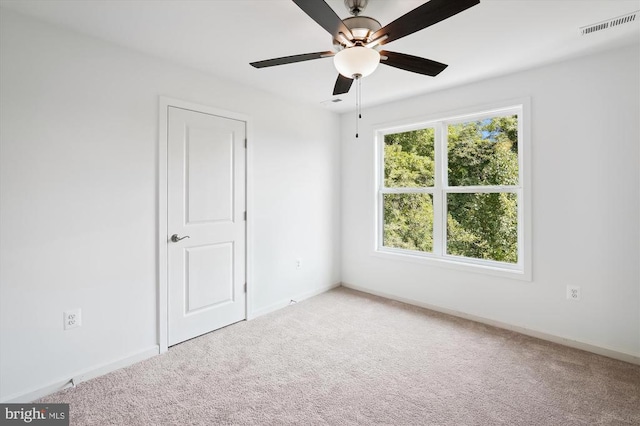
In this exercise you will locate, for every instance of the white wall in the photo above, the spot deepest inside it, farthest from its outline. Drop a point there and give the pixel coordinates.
(79, 138)
(585, 205)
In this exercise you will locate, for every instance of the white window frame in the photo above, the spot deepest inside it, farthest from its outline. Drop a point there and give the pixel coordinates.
(520, 270)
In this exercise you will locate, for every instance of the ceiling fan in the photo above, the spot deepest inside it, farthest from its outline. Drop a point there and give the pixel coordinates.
(357, 38)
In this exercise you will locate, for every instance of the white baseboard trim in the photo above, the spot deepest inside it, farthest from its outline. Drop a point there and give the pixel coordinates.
(611, 353)
(81, 376)
(284, 303)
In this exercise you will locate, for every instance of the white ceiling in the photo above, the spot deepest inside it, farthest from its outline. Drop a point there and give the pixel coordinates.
(222, 36)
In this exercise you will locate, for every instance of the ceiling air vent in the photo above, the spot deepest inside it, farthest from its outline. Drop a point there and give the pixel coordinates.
(609, 23)
(331, 101)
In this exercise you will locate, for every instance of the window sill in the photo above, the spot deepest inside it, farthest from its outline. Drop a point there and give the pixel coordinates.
(452, 263)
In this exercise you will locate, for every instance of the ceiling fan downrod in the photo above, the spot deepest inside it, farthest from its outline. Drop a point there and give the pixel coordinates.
(356, 7)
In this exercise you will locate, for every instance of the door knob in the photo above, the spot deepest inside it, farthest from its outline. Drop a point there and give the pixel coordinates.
(175, 238)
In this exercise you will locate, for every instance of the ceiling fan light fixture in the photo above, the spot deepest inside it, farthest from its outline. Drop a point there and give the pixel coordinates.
(356, 61)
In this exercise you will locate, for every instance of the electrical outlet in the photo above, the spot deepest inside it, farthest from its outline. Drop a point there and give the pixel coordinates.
(72, 319)
(573, 292)
(298, 263)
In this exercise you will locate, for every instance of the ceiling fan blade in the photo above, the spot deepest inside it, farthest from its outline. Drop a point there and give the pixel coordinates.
(343, 84)
(422, 17)
(412, 63)
(291, 59)
(321, 12)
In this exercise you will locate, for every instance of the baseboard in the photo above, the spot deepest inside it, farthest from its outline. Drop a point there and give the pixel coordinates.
(283, 303)
(81, 376)
(611, 353)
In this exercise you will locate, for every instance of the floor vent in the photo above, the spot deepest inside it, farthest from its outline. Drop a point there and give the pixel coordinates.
(609, 23)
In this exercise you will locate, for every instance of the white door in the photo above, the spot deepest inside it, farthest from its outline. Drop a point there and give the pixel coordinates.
(206, 223)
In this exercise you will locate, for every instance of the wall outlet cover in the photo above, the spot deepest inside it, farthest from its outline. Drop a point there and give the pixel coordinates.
(72, 319)
(573, 292)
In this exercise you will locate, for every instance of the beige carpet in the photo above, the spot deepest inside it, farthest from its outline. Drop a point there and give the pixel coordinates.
(346, 358)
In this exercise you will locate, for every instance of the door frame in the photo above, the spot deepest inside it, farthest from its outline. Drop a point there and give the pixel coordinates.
(163, 181)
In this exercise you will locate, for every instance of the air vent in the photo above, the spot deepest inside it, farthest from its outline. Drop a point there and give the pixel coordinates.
(331, 101)
(609, 23)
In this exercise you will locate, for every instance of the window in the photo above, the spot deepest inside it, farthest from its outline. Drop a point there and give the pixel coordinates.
(452, 190)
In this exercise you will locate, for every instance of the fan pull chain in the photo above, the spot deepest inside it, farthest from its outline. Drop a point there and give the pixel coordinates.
(358, 101)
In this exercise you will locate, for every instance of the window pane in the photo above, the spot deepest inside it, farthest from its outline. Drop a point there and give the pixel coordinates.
(409, 159)
(483, 152)
(483, 226)
(408, 221)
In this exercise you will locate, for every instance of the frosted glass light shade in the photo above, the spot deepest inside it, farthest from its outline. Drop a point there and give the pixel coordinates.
(356, 60)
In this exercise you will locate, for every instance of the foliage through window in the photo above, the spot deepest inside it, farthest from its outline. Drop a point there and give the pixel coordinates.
(453, 189)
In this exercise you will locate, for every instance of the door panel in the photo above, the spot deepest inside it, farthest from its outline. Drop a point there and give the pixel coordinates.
(209, 175)
(209, 280)
(206, 202)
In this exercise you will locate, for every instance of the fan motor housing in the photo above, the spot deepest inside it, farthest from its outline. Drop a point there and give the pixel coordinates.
(362, 27)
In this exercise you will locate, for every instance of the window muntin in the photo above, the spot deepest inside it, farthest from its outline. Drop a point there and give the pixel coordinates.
(452, 189)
